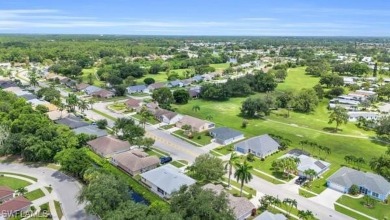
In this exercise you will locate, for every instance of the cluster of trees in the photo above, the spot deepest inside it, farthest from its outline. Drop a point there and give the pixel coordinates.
(50, 94)
(354, 69)
(127, 129)
(121, 73)
(352, 159)
(30, 133)
(287, 165)
(268, 201)
(241, 87)
(315, 146)
(381, 164)
(66, 69)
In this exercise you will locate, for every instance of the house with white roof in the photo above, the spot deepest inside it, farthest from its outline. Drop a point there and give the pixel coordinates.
(165, 180)
(261, 146)
(354, 116)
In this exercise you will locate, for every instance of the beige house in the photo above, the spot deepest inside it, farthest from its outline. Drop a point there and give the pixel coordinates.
(135, 161)
(197, 125)
(107, 146)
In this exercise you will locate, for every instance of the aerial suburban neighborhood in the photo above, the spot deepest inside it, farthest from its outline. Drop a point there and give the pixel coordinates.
(189, 120)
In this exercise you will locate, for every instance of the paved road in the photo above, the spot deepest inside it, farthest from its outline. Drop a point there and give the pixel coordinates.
(65, 188)
(319, 210)
(176, 147)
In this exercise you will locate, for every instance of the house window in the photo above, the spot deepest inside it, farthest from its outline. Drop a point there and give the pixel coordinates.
(160, 191)
(375, 194)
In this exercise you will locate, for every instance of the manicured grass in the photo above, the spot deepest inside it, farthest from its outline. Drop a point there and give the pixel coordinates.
(49, 188)
(379, 211)
(267, 178)
(238, 185)
(297, 79)
(219, 67)
(318, 185)
(21, 175)
(104, 114)
(92, 71)
(205, 139)
(154, 153)
(58, 209)
(349, 213)
(227, 114)
(33, 195)
(306, 193)
(166, 127)
(119, 106)
(134, 184)
(224, 150)
(212, 152)
(160, 77)
(13, 183)
(150, 120)
(177, 164)
(235, 192)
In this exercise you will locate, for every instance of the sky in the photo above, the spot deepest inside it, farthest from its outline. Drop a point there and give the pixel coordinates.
(197, 17)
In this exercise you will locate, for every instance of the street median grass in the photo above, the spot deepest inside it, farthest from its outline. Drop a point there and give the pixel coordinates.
(134, 184)
(306, 194)
(349, 212)
(104, 114)
(150, 120)
(267, 178)
(34, 195)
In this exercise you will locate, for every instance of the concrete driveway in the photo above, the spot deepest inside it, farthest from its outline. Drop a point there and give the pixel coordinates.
(327, 198)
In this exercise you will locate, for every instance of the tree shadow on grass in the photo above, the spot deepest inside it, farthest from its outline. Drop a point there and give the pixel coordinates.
(331, 129)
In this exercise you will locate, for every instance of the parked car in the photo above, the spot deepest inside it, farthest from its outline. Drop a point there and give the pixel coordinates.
(301, 180)
(164, 160)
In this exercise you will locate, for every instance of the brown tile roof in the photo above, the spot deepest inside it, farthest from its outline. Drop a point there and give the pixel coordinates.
(5, 191)
(166, 113)
(14, 205)
(135, 160)
(157, 85)
(133, 103)
(103, 93)
(194, 122)
(107, 145)
(82, 86)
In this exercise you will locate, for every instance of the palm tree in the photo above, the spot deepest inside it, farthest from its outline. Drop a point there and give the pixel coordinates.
(359, 161)
(83, 105)
(91, 102)
(310, 173)
(71, 102)
(243, 174)
(21, 191)
(232, 160)
(293, 204)
(61, 107)
(33, 79)
(196, 108)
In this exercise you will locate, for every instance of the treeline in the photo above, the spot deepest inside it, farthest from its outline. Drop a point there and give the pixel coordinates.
(240, 87)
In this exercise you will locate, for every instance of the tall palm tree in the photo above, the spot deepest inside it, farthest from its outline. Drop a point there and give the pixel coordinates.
(229, 164)
(196, 108)
(83, 105)
(293, 204)
(243, 174)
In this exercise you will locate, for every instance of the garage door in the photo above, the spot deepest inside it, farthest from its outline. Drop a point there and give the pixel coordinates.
(336, 187)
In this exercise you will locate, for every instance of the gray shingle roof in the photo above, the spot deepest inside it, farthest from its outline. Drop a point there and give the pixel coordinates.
(72, 122)
(262, 144)
(91, 89)
(136, 88)
(306, 162)
(90, 130)
(224, 133)
(347, 177)
(28, 96)
(168, 178)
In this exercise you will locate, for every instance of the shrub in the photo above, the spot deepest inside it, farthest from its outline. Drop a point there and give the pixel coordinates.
(354, 190)
(101, 123)
(250, 157)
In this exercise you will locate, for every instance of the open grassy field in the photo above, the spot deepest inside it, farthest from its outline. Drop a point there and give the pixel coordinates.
(296, 128)
(297, 79)
(379, 211)
(13, 183)
(219, 67)
(86, 73)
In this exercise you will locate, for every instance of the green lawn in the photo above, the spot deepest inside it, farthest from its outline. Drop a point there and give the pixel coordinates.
(118, 106)
(160, 77)
(225, 149)
(154, 153)
(33, 195)
(219, 67)
(13, 183)
(104, 114)
(58, 209)
(166, 127)
(150, 120)
(297, 79)
(21, 175)
(246, 188)
(86, 73)
(318, 185)
(177, 164)
(379, 211)
(204, 139)
(306, 193)
(350, 213)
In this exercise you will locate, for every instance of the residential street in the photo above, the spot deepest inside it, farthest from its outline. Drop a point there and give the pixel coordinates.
(64, 187)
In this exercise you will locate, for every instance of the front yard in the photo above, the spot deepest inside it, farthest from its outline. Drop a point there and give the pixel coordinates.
(379, 210)
(33, 195)
(150, 120)
(225, 150)
(201, 139)
(13, 183)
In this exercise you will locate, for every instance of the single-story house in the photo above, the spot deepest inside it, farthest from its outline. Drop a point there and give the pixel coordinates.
(90, 130)
(13, 89)
(307, 162)
(266, 215)
(369, 183)
(261, 146)
(35, 102)
(18, 204)
(384, 108)
(137, 89)
(64, 80)
(241, 206)
(103, 93)
(154, 86)
(72, 122)
(91, 89)
(175, 83)
(187, 82)
(81, 86)
(55, 115)
(197, 78)
(6, 193)
(28, 96)
(225, 135)
(348, 80)
(133, 104)
(165, 180)
(197, 125)
(152, 107)
(194, 92)
(354, 116)
(71, 83)
(135, 161)
(166, 116)
(107, 146)
(6, 84)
